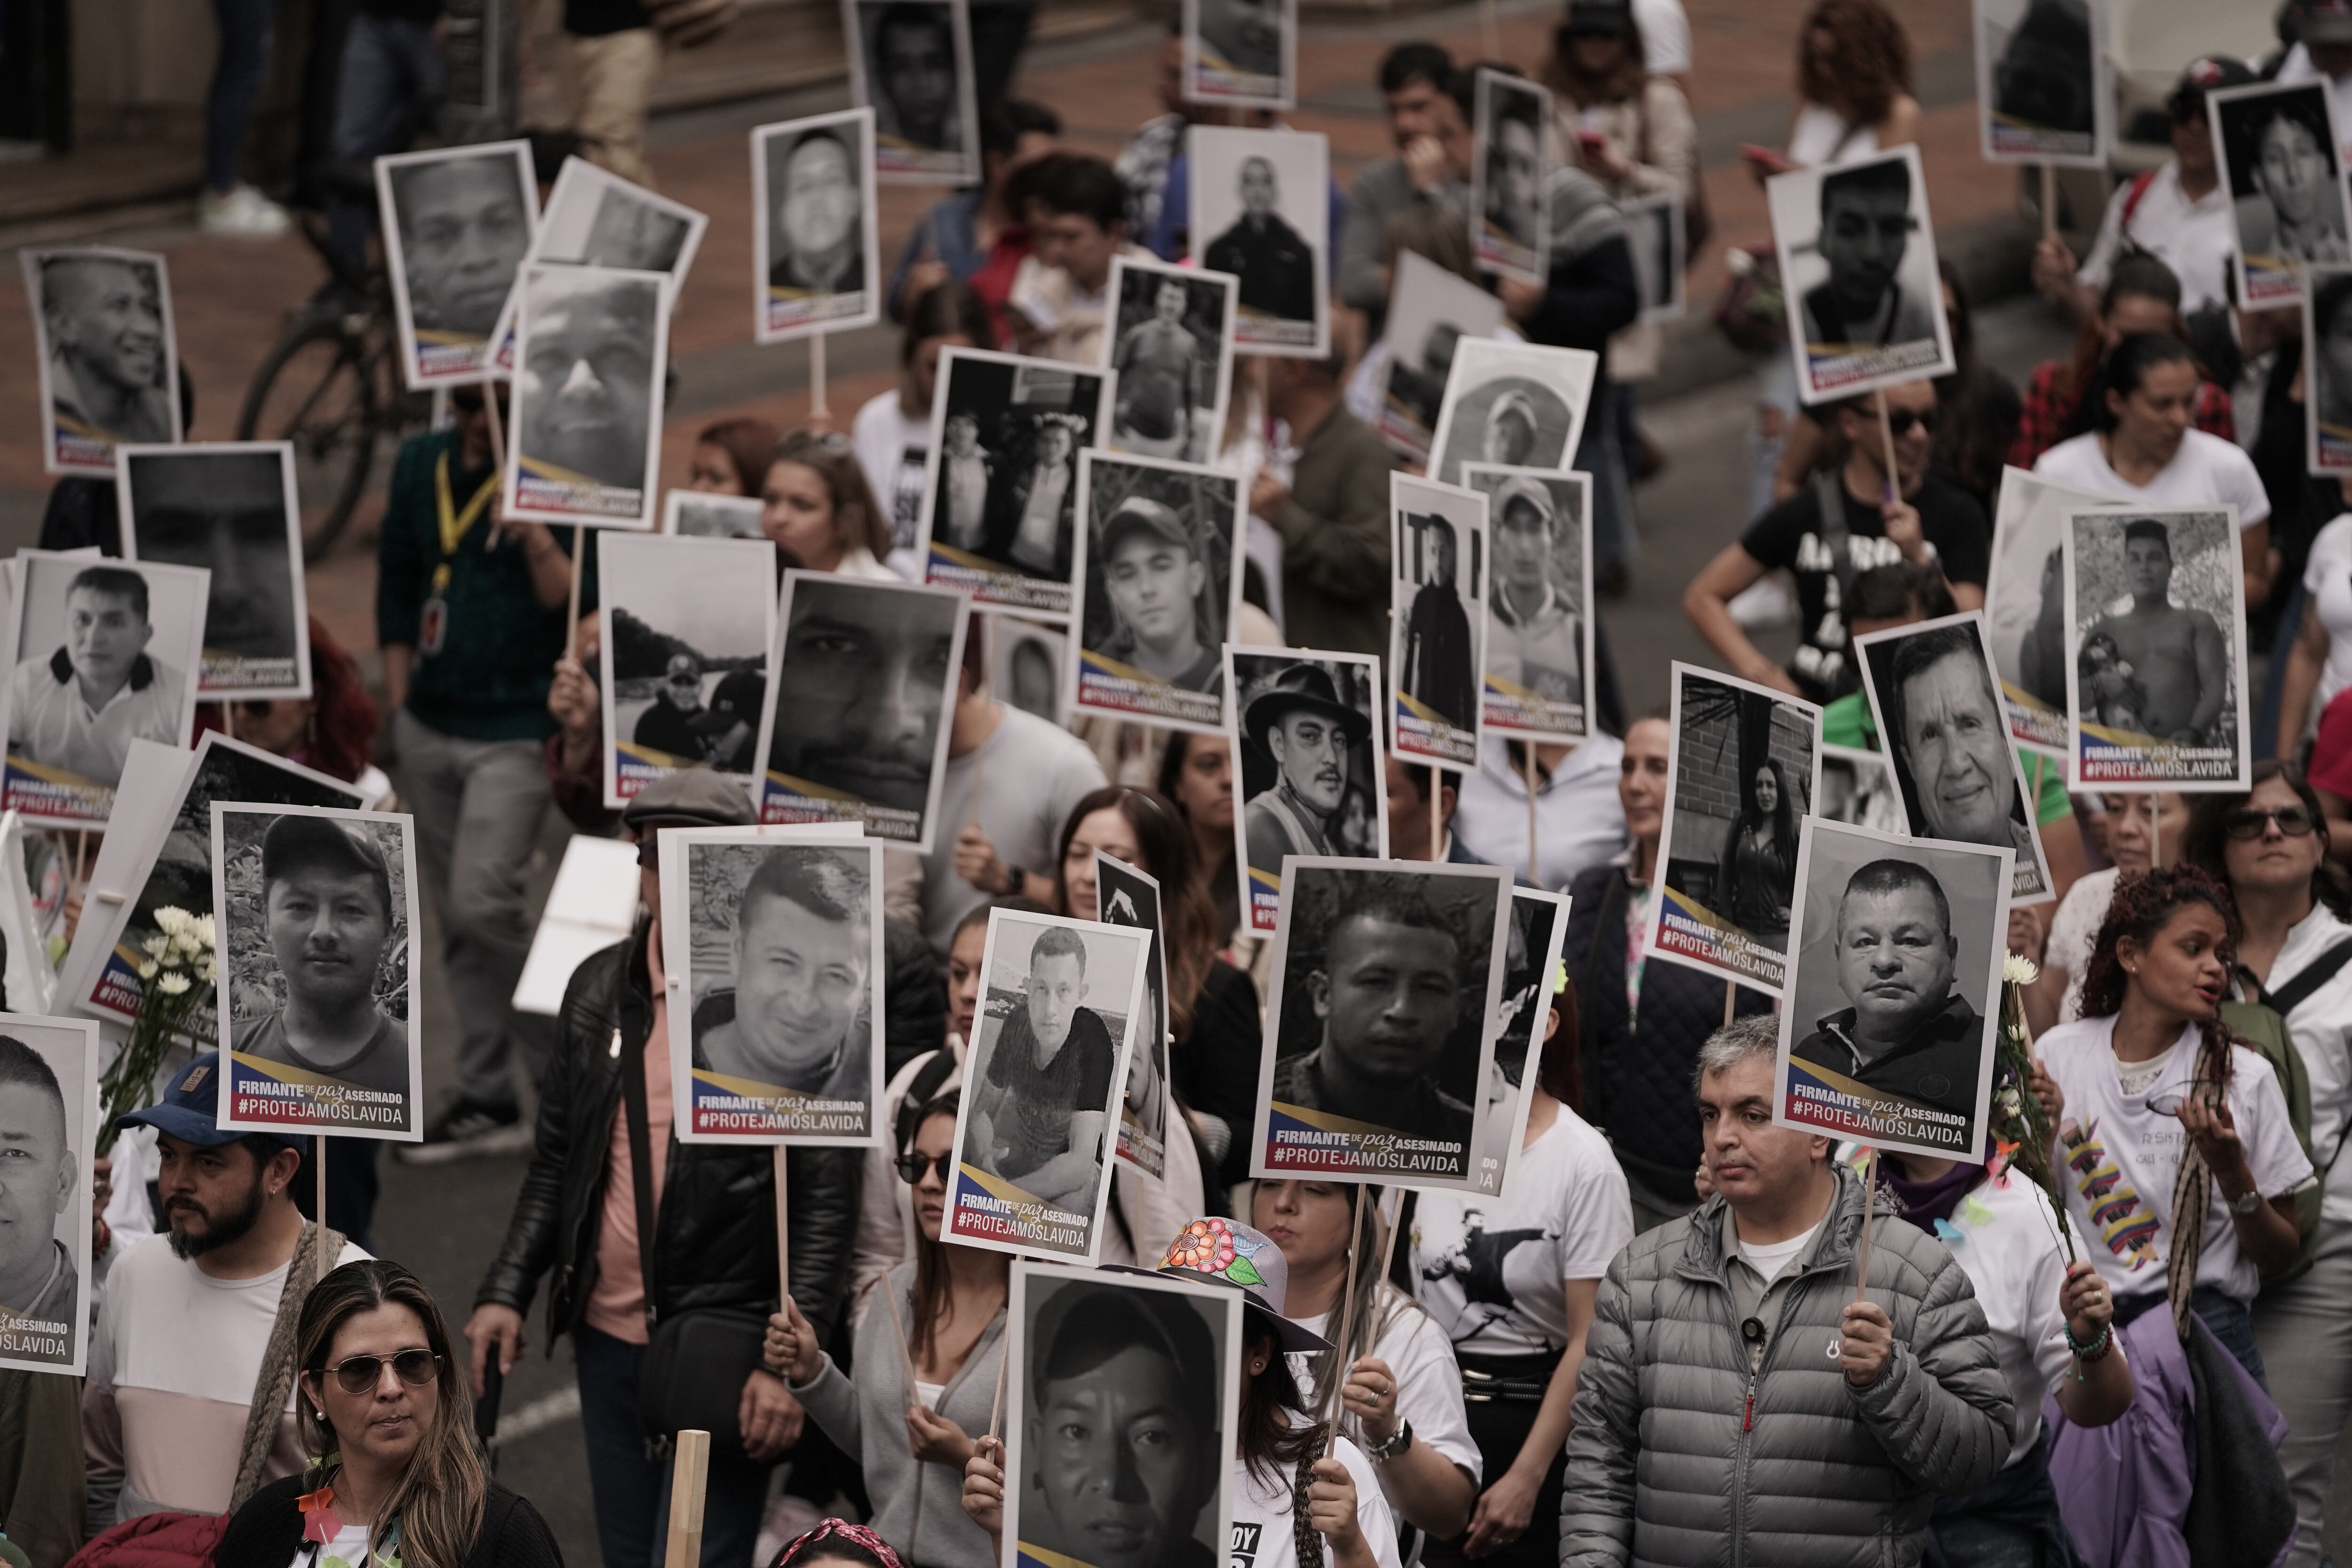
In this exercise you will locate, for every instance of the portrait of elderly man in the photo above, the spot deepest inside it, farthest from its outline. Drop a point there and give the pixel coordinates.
(38, 1280)
(590, 368)
(819, 243)
(802, 953)
(1952, 741)
(912, 67)
(1388, 993)
(1162, 591)
(225, 511)
(1867, 226)
(79, 707)
(328, 917)
(1301, 724)
(2178, 661)
(1535, 634)
(464, 227)
(108, 360)
(1161, 370)
(865, 680)
(2290, 198)
(1043, 1101)
(1243, 36)
(1906, 1033)
(1273, 260)
(1121, 1447)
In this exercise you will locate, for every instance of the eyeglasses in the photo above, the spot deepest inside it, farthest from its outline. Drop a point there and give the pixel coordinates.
(359, 1373)
(2252, 821)
(1900, 420)
(910, 1167)
(2167, 1101)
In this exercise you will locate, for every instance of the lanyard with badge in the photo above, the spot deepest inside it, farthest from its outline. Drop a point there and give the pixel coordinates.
(433, 625)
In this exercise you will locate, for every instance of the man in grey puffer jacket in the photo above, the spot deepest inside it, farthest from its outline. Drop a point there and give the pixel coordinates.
(1737, 1405)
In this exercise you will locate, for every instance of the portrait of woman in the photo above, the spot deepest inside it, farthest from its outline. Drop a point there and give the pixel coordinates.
(1756, 877)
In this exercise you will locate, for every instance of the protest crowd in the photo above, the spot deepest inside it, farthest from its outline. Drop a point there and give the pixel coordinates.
(1124, 983)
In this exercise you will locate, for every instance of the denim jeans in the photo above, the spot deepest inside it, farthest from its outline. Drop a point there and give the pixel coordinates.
(633, 1490)
(245, 30)
(390, 77)
(1597, 454)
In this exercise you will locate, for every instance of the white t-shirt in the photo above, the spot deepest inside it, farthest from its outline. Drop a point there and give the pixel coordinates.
(1770, 1259)
(1429, 1383)
(2321, 1028)
(1665, 37)
(2003, 1236)
(2206, 471)
(1493, 1272)
(2296, 67)
(891, 448)
(1262, 1524)
(2194, 239)
(2328, 581)
(2074, 931)
(2127, 1156)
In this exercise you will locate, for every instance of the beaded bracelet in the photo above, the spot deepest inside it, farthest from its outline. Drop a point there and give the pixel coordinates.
(2087, 1352)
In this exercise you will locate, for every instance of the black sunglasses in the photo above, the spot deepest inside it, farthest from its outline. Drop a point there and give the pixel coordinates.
(910, 1167)
(2249, 821)
(359, 1373)
(1900, 420)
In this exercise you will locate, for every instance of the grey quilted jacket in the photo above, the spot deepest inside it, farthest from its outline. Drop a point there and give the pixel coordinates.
(1680, 1457)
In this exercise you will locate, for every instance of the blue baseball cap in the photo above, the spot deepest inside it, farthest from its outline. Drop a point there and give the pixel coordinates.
(190, 1110)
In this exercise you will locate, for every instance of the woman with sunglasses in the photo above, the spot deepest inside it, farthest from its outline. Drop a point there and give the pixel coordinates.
(396, 1476)
(2153, 1103)
(940, 1317)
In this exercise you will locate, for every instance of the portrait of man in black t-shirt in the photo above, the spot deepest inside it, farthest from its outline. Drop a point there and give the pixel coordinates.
(1043, 1103)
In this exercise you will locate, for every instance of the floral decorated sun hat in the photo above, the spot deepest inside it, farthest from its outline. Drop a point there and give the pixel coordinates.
(1216, 1249)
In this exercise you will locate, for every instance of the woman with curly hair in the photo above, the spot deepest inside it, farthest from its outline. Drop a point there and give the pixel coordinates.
(1756, 876)
(2178, 1157)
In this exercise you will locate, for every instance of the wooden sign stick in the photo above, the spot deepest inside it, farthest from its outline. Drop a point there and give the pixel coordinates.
(571, 613)
(905, 1356)
(783, 1235)
(1886, 435)
(817, 409)
(1730, 997)
(1530, 758)
(689, 1474)
(1436, 812)
(1330, 1397)
(1869, 1212)
(325, 1262)
(2049, 200)
(497, 447)
(996, 1402)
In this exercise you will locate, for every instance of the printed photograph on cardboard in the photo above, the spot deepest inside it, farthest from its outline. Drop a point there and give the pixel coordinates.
(1934, 700)
(102, 653)
(1519, 405)
(683, 660)
(1656, 226)
(1858, 789)
(2045, 84)
(2327, 370)
(855, 728)
(456, 222)
(1261, 211)
(1306, 738)
(109, 360)
(48, 1124)
(816, 248)
(230, 508)
(1857, 254)
(2284, 175)
(1894, 991)
(1124, 896)
(1381, 1015)
(702, 514)
(1123, 1393)
(912, 65)
(777, 1034)
(1001, 492)
(586, 411)
(2026, 605)
(1241, 53)
(1746, 768)
(1538, 927)
(1024, 665)
(1043, 1083)
(1171, 344)
(2156, 622)
(1538, 654)
(595, 218)
(315, 912)
(1431, 311)
(1159, 590)
(1508, 172)
(1437, 616)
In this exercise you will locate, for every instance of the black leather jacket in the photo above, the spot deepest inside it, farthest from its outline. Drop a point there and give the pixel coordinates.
(715, 1240)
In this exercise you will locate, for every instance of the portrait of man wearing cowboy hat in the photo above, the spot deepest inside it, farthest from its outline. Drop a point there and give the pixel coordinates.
(1298, 721)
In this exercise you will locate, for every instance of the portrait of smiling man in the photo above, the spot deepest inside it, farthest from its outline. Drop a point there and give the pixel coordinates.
(801, 952)
(862, 689)
(108, 360)
(38, 1177)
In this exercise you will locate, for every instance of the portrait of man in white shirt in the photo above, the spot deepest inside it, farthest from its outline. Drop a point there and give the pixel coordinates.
(77, 708)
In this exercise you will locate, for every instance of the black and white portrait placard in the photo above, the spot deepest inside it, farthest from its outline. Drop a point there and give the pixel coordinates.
(1511, 220)
(2327, 369)
(1001, 492)
(1160, 591)
(816, 247)
(1657, 228)
(1171, 347)
(586, 412)
(49, 1125)
(2156, 625)
(1519, 405)
(2283, 173)
(1044, 1078)
(1858, 788)
(775, 1030)
(1438, 620)
(683, 665)
(595, 218)
(1126, 897)
(1241, 53)
(1261, 210)
(1746, 768)
(2045, 83)
(1538, 927)
(1935, 698)
(911, 62)
(1123, 1392)
(1305, 740)
(102, 653)
(1431, 311)
(1887, 1036)
(230, 508)
(1537, 664)
(855, 728)
(456, 224)
(2025, 606)
(1857, 255)
(700, 514)
(109, 356)
(1382, 1015)
(1025, 666)
(314, 913)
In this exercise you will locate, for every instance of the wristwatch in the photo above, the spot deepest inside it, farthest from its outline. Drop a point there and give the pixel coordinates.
(2246, 1202)
(1398, 1441)
(1016, 879)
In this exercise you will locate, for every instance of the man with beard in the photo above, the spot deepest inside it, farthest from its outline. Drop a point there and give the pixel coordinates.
(185, 1318)
(588, 371)
(37, 1281)
(820, 245)
(104, 319)
(326, 898)
(1273, 260)
(1906, 1034)
(463, 231)
(1867, 226)
(2179, 656)
(862, 683)
(1299, 722)
(801, 954)
(1041, 1093)
(225, 511)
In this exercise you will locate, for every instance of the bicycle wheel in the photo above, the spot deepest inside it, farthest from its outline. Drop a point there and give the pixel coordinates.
(317, 390)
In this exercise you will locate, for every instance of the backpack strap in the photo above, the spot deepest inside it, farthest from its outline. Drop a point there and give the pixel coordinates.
(2306, 985)
(2133, 195)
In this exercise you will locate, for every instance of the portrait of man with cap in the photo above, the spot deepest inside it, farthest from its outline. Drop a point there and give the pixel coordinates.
(1298, 723)
(1535, 632)
(1497, 413)
(1162, 593)
(675, 724)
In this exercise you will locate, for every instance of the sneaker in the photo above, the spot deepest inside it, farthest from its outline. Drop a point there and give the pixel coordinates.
(242, 211)
(468, 1129)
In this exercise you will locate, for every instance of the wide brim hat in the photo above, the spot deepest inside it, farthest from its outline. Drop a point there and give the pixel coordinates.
(1302, 687)
(1219, 1251)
